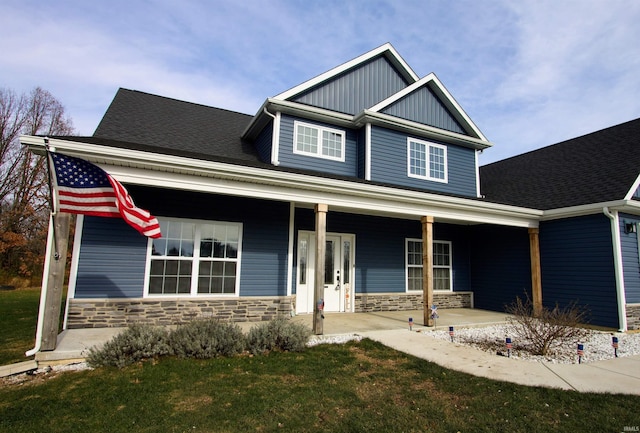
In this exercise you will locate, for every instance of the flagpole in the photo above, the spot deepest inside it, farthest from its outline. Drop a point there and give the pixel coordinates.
(51, 198)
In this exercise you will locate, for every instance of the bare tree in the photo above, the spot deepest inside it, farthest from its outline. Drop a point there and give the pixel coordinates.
(23, 177)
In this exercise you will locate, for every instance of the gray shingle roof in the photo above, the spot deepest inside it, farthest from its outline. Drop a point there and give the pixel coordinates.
(594, 168)
(177, 126)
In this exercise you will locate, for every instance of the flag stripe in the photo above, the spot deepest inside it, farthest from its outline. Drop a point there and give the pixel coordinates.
(84, 188)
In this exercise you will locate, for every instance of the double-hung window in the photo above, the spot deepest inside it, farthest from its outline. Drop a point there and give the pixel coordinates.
(319, 141)
(426, 160)
(194, 258)
(441, 265)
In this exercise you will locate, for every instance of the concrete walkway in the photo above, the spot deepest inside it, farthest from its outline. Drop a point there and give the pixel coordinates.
(619, 375)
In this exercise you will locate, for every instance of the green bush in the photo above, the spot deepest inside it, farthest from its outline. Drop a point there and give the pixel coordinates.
(134, 344)
(207, 339)
(278, 334)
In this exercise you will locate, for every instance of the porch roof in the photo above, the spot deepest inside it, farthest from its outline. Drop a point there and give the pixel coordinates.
(180, 169)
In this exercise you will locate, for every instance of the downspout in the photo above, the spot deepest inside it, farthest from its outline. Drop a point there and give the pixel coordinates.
(43, 291)
(275, 139)
(617, 261)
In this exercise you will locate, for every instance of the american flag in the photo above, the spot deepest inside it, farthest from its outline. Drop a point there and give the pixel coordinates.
(84, 188)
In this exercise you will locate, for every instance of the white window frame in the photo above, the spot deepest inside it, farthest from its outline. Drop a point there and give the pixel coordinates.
(321, 130)
(407, 265)
(195, 261)
(427, 147)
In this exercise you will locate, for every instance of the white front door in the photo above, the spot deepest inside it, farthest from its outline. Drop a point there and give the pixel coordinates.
(338, 274)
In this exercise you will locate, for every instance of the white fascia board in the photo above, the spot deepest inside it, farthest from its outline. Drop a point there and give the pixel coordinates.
(295, 109)
(633, 189)
(627, 206)
(392, 55)
(336, 195)
(420, 129)
(174, 172)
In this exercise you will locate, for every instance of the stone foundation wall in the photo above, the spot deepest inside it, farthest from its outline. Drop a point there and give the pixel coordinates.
(109, 313)
(403, 301)
(633, 317)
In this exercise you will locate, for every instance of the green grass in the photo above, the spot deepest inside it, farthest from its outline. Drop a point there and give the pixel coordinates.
(355, 387)
(330, 388)
(18, 318)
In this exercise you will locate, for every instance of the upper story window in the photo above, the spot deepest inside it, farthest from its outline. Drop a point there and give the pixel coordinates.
(426, 160)
(194, 258)
(319, 141)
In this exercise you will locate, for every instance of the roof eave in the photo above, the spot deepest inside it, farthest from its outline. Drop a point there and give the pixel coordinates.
(160, 170)
(420, 129)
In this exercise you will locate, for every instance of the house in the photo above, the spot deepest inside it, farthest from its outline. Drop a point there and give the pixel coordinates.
(358, 190)
(587, 188)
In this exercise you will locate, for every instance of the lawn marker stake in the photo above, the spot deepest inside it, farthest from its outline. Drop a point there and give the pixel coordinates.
(580, 352)
(615, 346)
(509, 346)
(434, 315)
(451, 333)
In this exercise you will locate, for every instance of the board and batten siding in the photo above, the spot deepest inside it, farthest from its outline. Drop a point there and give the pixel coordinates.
(500, 265)
(578, 266)
(389, 164)
(423, 106)
(113, 255)
(306, 162)
(630, 259)
(357, 89)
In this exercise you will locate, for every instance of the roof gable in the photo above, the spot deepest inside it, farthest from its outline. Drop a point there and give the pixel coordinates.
(427, 101)
(357, 84)
(594, 168)
(356, 89)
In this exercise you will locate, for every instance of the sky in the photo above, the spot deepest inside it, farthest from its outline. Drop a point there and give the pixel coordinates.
(529, 73)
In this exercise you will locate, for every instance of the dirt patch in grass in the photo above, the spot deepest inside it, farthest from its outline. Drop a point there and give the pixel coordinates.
(182, 403)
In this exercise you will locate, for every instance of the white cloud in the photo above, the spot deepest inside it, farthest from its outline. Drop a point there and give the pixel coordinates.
(529, 73)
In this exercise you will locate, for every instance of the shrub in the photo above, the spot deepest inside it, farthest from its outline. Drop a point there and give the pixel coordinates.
(137, 342)
(207, 339)
(278, 334)
(548, 328)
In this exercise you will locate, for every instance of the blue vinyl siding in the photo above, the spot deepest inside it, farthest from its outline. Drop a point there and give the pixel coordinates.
(380, 248)
(263, 143)
(423, 106)
(112, 260)
(304, 162)
(500, 265)
(577, 265)
(630, 259)
(389, 165)
(355, 90)
(362, 153)
(114, 254)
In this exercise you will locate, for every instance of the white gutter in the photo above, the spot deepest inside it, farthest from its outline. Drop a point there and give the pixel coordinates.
(43, 291)
(145, 168)
(617, 260)
(275, 137)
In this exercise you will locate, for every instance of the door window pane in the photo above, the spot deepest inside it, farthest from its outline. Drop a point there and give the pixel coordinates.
(329, 266)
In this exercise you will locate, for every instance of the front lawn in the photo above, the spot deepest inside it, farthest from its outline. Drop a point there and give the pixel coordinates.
(18, 318)
(355, 387)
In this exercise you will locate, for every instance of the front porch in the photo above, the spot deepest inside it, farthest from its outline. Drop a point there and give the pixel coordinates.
(73, 344)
